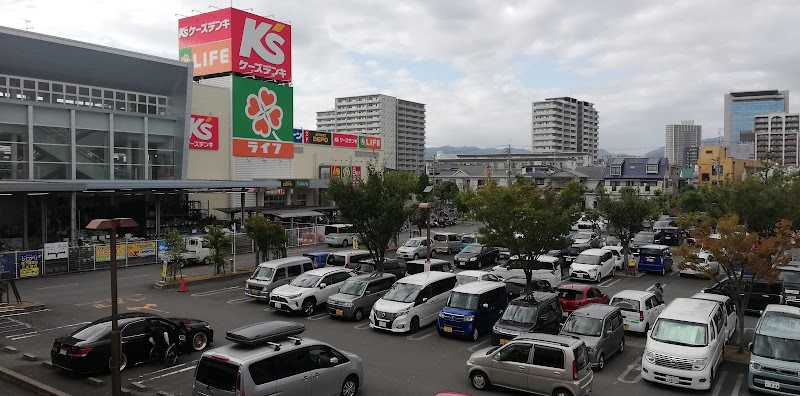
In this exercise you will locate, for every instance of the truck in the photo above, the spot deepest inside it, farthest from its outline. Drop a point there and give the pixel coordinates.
(197, 252)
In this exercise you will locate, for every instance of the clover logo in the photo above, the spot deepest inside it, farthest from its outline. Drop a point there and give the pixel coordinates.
(267, 116)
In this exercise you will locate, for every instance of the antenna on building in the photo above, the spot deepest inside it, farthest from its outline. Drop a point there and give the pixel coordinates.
(219, 8)
(199, 12)
(28, 24)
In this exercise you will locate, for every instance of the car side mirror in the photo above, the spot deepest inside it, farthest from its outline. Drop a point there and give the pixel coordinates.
(424, 299)
(750, 346)
(496, 357)
(322, 285)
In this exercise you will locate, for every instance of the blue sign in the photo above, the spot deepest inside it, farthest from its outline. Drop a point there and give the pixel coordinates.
(7, 264)
(162, 247)
(297, 134)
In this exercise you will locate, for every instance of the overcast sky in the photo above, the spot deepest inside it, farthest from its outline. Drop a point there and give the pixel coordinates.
(479, 64)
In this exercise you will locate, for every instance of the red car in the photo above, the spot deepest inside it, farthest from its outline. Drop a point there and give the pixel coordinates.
(573, 296)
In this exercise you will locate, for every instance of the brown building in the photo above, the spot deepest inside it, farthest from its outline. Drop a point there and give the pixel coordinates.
(715, 164)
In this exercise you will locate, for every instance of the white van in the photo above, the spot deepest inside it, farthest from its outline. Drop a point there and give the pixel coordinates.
(412, 302)
(347, 258)
(340, 235)
(685, 347)
(447, 242)
(728, 308)
(546, 268)
(272, 274)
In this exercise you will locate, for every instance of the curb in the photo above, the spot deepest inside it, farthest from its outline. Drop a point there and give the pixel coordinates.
(29, 383)
(160, 285)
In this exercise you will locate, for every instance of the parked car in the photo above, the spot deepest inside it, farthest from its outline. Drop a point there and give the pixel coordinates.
(640, 239)
(654, 258)
(612, 241)
(447, 242)
(592, 264)
(685, 347)
(572, 252)
(88, 349)
(309, 290)
(706, 267)
(390, 266)
(319, 259)
(515, 286)
(545, 268)
(587, 237)
(537, 312)
(540, 363)
(572, 296)
(476, 255)
(340, 235)
(664, 222)
(728, 311)
(415, 248)
(670, 236)
(412, 302)
(600, 328)
(619, 258)
(468, 239)
(272, 274)
(790, 276)
(762, 293)
(775, 351)
(271, 358)
(504, 253)
(358, 294)
(419, 266)
(472, 309)
(469, 276)
(640, 309)
(348, 258)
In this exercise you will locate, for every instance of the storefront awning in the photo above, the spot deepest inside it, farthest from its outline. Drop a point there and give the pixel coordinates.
(288, 214)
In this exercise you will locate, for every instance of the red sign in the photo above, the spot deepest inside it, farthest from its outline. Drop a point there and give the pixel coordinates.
(205, 133)
(345, 140)
(356, 172)
(204, 28)
(262, 148)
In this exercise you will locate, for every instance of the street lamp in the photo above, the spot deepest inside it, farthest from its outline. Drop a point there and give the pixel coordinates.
(111, 225)
(428, 206)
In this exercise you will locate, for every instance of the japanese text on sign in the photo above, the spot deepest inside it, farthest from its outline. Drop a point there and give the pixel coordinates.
(208, 27)
(262, 69)
(29, 264)
(261, 148)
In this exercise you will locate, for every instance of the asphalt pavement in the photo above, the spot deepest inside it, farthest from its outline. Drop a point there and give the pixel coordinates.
(395, 364)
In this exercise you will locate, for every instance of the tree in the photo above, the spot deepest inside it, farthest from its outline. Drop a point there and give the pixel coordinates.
(423, 182)
(625, 214)
(690, 200)
(447, 191)
(276, 235)
(219, 243)
(525, 218)
(270, 237)
(745, 258)
(377, 206)
(176, 247)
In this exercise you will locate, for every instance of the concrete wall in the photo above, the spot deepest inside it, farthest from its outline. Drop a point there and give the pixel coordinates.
(306, 165)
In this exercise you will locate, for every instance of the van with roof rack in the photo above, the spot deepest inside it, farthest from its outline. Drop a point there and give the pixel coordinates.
(272, 358)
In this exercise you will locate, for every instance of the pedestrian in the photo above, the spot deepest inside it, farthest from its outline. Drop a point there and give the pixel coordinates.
(658, 291)
(632, 266)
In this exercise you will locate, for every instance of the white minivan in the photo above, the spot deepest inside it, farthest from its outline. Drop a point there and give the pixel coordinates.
(685, 347)
(412, 302)
(729, 311)
(340, 235)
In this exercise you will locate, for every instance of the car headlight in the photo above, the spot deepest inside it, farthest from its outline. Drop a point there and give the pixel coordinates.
(755, 366)
(699, 364)
(441, 314)
(294, 296)
(208, 326)
(469, 318)
(471, 360)
(346, 303)
(649, 356)
(402, 312)
(591, 349)
(473, 258)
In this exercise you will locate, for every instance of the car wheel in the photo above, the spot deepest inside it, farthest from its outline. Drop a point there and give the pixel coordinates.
(344, 243)
(358, 315)
(621, 345)
(416, 256)
(475, 335)
(308, 306)
(601, 361)
(350, 386)
(663, 271)
(123, 361)
(433, 253)
(561, 392)
(414, 324)
(199, 341)
(206, 261)
(479, 380)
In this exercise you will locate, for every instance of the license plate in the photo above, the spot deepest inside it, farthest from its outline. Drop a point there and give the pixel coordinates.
(503, 341)
(585, 276)
(383, 323)
(277, 305)
(254, 291)
(649, 259)
(671, 379)
(339, 312)
(772, 385)
(63, 351)
(625, 327)
(447, 329)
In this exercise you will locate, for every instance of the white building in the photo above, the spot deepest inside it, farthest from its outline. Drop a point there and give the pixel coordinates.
(564, 125)
(777, 133)
(680, 137)
(400, 123)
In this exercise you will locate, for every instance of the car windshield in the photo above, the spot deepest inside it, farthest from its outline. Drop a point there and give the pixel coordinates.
(353, 287)
(306, 280)
(651, 252)
(572, 251)
(365, 268)
(587, 259)
(776, 348)
(463, 301)
(792, 277)
(583, 235)
(582, 325)
(472, 249)
(402, 292)
(570, 294)
(644, 237)
(464, 279)
(93, 332)
(440, 238)
(662, 224)
(626, 304)
(263, 273)
(520, 314)
(612, 239)
(682, 333)
(415, 268)
(412, 242)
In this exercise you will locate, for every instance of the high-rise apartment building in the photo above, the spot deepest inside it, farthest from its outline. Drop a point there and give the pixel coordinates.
(564, 125)
(777, 133)
(400, 123)
(740, 108)
(679, 138)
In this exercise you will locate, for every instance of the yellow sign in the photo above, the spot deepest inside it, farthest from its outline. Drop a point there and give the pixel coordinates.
(29, 264)
(102, 253)
(141, 249)
(355, 244)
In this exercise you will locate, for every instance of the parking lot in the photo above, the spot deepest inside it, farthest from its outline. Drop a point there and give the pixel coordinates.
(416, 364)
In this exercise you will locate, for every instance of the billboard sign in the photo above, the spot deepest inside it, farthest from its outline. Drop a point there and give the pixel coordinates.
(314, 137)
(336, 171)
(30, 264)
(102, 253)
(356, 172)
(56, 250)
(262, 119)
(369, 142)
(8, 264)
(345, 140)
(296, 183)
(205, 133)
(231, 40)
(141, 249)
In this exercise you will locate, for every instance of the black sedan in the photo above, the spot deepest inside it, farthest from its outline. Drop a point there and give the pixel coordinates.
(395, 267)
(515, 286)
(476, 255)
(88, 349)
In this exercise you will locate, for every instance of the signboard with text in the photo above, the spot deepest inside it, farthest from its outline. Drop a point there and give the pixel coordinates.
(262, 119)
(345, 140)
(30, 264)
(232, 40)
(296, 183)
(205, 133)
(102, 253)
(56, 250)
(141, 249)
(369, 142)
(346, 171)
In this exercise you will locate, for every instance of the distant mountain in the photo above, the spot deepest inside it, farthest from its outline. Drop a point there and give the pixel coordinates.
(603, 153)
(431, 151)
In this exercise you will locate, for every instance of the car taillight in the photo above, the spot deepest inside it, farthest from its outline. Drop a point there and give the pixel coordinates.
(641, 315)
(79, 352)
(239, 390)
(574, 370)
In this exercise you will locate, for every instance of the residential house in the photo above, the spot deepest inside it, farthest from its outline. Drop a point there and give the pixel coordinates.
(645, 175)
(716, 164)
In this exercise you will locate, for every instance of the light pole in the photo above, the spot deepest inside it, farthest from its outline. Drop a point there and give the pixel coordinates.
(111, 225)
(428, 206)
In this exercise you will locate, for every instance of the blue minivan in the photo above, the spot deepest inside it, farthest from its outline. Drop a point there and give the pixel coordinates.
(655, 258)
(472, 310)
(319, 258)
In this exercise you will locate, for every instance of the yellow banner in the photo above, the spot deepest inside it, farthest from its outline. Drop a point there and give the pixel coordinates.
(102, 253)
(141, 249)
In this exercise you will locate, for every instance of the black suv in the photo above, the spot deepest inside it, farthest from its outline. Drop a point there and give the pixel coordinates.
(538, 312)
(572, 252)
(395, 267)
(763, 293)
(670, 236)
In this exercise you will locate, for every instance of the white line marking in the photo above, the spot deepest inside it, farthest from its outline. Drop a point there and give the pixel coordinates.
(362, 326)
(318, 316)
(417, 337)
(216, 291)
(720, 380)
(738, 385)
(476, 346)
(238, 300)
(609, 282)
(137, 276)
(56, 287)
(162, 370)
(663, 285)
(23, 337)
(168, 374)
(631, 367)
(21, 334)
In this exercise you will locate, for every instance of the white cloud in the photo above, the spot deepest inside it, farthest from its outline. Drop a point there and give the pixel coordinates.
(643, 64)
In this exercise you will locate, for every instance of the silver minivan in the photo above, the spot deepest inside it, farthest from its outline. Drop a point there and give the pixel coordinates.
(347, 258)
(447, 242)
(600, 327)
(271, 274)
(358, 294)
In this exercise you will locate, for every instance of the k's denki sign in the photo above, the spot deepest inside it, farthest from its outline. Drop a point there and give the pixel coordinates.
(205, 133)
(233, 40)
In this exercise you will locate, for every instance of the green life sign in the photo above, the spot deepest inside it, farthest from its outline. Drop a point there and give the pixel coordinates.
(262, 110)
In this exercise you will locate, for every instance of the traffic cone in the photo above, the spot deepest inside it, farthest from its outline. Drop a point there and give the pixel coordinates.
(182, 289)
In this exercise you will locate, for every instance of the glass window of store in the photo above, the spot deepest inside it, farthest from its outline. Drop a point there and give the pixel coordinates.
(52, 157)
(129, 150)
(161, 148)
(91, 149)
(13, 142)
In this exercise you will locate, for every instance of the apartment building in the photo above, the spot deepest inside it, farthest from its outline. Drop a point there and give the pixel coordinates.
(679, 138)
(776, 134)
(564, 124)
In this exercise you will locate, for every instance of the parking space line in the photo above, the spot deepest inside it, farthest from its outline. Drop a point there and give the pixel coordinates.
(609, 282)
(738, 385)
(137, 276)
(21, 334)
(318, 316)
(23, 337)
(162, 370)
(417, 337)
(362, 326)
(673, 272)
(476, 346)
(720, 380)
(631, 367)
(238, 300)
(168, 374)
(56, 287)
(216, 291)
(65, 326)
(663, 285)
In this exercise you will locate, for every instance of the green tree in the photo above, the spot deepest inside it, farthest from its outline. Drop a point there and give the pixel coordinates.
(423, 182)
(176, 247)
(219, 244)
(525, 218)
(277, 237)
(690, 200)
(377, 206)
(270, 237)
(624, 214)
(447, 191)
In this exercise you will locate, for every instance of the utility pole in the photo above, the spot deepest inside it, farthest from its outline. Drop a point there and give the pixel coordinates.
(508, 164)
(719, 153)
